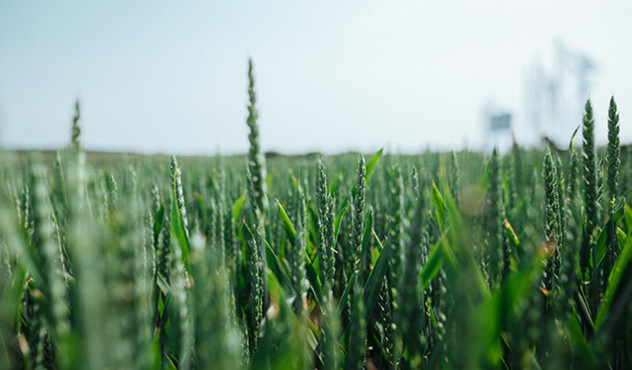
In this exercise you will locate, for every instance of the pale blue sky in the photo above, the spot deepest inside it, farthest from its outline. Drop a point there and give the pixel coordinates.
(158, 76)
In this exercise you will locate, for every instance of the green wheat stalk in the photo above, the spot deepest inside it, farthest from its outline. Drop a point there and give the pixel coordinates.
(591, 211)
(326, 235)
(356, 349)
(357, 216)
(614, 164)
(495, 220)
(296, 256)
(256, 176)
(551, 219)
(76, 130)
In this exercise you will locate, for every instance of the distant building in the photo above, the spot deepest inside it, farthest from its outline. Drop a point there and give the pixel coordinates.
(498, 129)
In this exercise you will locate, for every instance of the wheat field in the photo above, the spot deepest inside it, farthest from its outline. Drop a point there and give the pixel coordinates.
(459, 260)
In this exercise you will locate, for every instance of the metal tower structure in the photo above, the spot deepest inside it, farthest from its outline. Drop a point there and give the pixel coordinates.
(554, 100)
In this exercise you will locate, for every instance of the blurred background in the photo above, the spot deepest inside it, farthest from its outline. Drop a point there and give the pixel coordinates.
(167, 77)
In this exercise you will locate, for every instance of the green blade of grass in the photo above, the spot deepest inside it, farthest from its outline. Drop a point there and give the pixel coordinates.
(237, 205)
(374, 281)
(614, 282)
(287, 224)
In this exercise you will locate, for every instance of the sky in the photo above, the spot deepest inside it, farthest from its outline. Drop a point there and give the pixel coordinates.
(331, 76)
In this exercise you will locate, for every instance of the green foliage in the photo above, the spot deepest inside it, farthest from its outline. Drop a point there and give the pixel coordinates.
(217, 333)
(457, 261)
